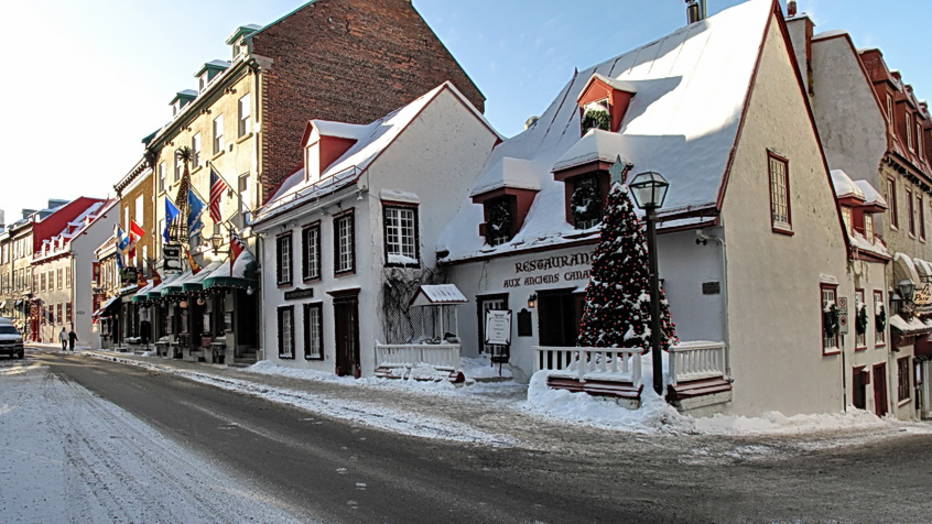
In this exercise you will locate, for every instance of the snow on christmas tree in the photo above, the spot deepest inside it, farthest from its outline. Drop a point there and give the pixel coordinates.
(617, 308)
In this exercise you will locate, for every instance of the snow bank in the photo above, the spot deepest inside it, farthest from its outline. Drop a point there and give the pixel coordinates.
(418, 379)
(483, 368)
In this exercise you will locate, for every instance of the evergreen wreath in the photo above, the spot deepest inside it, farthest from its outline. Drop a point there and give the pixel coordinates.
(880, 318)
(584, 201)
(596, 118)
(500, 218)
(860, 322)
(830, 320)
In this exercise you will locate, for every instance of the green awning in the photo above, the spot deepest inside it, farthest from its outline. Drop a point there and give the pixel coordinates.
(241, 276)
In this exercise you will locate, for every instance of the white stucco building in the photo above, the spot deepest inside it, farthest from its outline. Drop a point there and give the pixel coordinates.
(346, 241)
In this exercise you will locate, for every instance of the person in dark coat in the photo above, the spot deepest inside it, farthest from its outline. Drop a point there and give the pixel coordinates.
(72, 338)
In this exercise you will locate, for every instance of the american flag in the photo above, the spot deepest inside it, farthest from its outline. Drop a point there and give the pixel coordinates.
(217, 188)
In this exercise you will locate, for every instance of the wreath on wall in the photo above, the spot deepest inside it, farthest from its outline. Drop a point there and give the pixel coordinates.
(584, 201)
(860, 322)
(500, 218)
(880, 318)
(830, 320)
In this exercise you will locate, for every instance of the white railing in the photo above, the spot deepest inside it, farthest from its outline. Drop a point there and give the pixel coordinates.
(437, 355)
(585, 363)
(697, 360)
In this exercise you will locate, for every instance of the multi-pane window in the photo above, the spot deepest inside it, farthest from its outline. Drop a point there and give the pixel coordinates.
(401, 238)
(891, 200)
(910, 208)
(61, 278)
(283, 259)
(314, 331)
(161, 176)
(880, 335)
(889, 110)
(179, 167)
(829, 318)
(922, 215)
(921, 143)
(42, 282)
(860, 335)
(286, 332)
(779, 192)
(68, 312)
(244, 111)
(68, 277)
(196, 149)
(902, 371)
(846, 216)
(499, 220)
(909, 131)
(310, 252)
(218, 134)
(344, 244)
(586, 201)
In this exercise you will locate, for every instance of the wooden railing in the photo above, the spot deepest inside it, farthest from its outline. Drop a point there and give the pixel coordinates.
(585, 363)
(437, 355)
(697, 360)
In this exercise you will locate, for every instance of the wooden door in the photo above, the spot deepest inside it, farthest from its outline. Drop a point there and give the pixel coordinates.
(346, 328)
(880, 389)
(859, 380)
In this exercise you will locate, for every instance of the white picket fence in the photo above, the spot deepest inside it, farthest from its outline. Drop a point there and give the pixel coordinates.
(441, 356)
(697, 360)
(585, 363)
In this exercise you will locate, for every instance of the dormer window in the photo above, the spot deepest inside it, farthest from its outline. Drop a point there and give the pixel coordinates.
(596, 115)
(499, 220)
(909, 131)
(586, 201)
(201, 83)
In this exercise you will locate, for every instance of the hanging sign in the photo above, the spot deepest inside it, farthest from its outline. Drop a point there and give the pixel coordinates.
(498, 327)
(923, 294)
(171, 258)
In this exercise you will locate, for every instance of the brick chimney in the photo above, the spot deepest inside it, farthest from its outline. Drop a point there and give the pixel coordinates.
(791, 8)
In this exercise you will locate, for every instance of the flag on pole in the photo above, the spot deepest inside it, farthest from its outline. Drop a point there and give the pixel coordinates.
(195, 207)
(122, 240)
(237, 246)
(171, 213)
(195, 267)
(136, 232)
(217, 188)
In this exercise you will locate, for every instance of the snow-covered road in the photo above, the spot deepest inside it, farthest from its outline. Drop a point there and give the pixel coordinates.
(70, 456)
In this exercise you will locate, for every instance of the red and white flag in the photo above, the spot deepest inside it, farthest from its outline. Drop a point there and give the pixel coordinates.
(217, 188)
(237, 246)
(136, 232)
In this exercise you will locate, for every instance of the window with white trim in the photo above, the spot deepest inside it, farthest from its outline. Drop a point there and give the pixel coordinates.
(344, 259)
(314, 331)
(196, 150)
(829, 318)
(879, 319)
(910, 208)
(778, 168)
(903, 383)
(869, 227)
(310, 252)
(861, 319)
(283, 259)
(401, 235)
(889, 110)
(909, 131)
(846, 216)
(179, 166)
(286, 332)
(894, 207)
(921, 143)
(218, 134)
(244, 112)
(161, 176)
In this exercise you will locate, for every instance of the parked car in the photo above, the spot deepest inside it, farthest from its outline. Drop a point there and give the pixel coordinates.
(11, 340)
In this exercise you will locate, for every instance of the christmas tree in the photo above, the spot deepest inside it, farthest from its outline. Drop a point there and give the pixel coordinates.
(617, 308)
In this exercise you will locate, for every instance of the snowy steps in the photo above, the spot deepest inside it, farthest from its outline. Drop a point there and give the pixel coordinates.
(598, 388)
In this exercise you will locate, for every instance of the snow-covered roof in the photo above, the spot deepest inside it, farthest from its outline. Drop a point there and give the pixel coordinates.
(871, 195)
(615, 83)
(911, 326)
(62, 240)
(844, 186)
(371, 140)
(690, 90)
(596, 145)
(507, 172)
(341, 129)
(877, 247)
(438, 294)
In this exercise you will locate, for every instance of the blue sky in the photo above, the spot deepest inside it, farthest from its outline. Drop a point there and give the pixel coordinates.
(86, 79)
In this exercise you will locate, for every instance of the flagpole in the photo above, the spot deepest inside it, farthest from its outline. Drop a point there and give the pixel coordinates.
(225, 181)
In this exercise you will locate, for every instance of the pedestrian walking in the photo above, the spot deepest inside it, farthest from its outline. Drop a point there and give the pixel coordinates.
(72, 338)
(63, 338)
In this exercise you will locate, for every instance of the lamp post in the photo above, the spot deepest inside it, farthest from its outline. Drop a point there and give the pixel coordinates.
(649, 190)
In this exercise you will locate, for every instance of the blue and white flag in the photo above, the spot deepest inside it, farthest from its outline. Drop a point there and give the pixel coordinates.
(122, 239)
(171, 213)
(195, 207)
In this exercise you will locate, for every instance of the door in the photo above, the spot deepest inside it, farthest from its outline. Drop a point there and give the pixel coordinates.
(559, 313)
(880, 389)
(346, 329)
(497, 353)
(859, 381)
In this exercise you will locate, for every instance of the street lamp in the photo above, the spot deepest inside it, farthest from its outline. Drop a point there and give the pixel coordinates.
(649, 190)
(907, 289)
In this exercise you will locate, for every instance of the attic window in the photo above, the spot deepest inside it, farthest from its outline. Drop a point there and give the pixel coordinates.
(597, 115)
(499, 220)
(586, 201)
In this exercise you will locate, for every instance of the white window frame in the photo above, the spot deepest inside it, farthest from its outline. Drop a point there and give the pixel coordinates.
(244, 114)
(909, 131)
(196, 149)
(401, 234)
(313, 319)
(218, 133)
(344, 256)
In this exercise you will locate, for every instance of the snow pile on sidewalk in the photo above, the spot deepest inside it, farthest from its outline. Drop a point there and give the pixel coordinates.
(420, 379)
(776, 423)
(483, 368)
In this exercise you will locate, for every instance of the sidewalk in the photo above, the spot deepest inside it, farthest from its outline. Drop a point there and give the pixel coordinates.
(491, 415)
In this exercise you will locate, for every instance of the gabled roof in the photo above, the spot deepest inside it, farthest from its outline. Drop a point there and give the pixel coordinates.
(683, 122)
(371, 140)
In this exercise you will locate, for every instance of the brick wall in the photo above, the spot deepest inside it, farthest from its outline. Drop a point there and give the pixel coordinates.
(345, 60)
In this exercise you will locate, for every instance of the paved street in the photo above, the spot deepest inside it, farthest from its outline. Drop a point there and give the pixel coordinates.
(303, 466)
